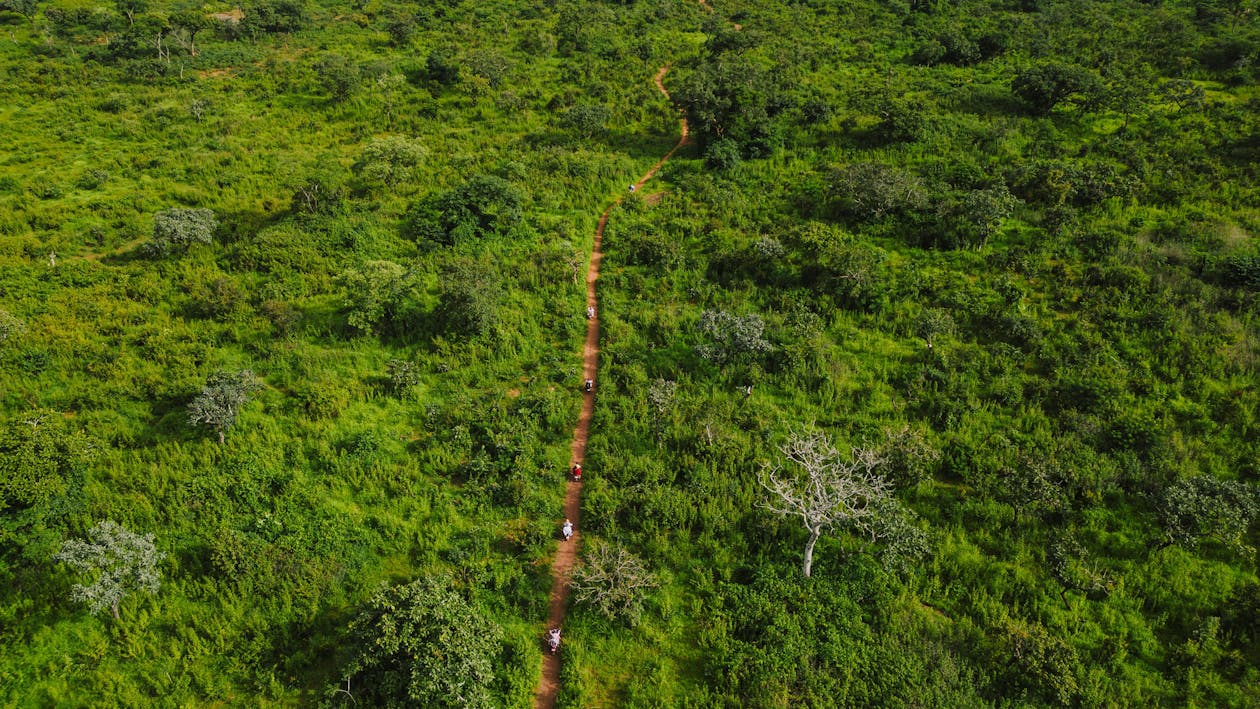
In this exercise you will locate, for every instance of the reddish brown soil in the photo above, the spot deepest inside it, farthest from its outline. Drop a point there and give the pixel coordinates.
(549, 684)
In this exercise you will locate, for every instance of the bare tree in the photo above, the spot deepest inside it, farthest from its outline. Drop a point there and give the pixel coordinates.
(824, 490)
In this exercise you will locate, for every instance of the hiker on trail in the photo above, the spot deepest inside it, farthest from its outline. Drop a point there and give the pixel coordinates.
(576, 471)
(553, 640)
(567, 530)
(590, 312)
(588, 385)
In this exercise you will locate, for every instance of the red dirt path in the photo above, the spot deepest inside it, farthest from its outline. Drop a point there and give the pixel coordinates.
(549, 684)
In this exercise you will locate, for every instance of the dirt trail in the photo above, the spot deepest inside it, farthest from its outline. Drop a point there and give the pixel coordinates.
(545, 696)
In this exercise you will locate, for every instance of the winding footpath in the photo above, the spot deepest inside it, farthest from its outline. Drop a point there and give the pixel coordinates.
(549, 684)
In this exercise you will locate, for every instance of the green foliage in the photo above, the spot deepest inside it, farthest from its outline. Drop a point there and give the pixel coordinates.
(482, 207)
(423, 643)
(1206, 507)
(1045, 86)
(10, 327)
(221, 399)
(42, 466)
(469, 300)
(374, 293)
(274, 16)
(122, 561)
(178, 229)
(339, 76)
(732, 338)
(385, 162)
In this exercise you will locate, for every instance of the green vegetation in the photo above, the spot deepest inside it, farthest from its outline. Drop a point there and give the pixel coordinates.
(1003, 252)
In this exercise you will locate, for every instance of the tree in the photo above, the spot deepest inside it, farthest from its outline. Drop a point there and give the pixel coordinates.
(586, 119)
(1206, 507)
(469, 300)
(1045, 86)
(373, 293)
(25, 8)
(186, 24)
(387, 161)
(181, 228)
(1183, 93)
(340, 76)
(442, 68)
(826, 491)
(131, 8)
(221, 399)
(983, 212)
(612, 580)
(274, 16)
(400, 26)
(661, 393)
(10, 326)
(900, 121)
(42, 461)
(732, 337)
(124, 562)
(422, 644)
(483, 206)
(869, 191)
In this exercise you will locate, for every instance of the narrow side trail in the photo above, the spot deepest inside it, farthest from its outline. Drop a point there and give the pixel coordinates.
(545, 696)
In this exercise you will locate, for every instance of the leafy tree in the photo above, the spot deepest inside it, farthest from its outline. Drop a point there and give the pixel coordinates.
(1069, 565)
(900, 121)
(401, 27)
(323, 192)
(422, 644)
(122, 561)
(10, 326)
(221, 399)
(186, 24)
(179, 229)
(401, 375)
(722, 154)
(131, 8)
(274, 16)
(1045, 86)
(442, 67)
(387, 161)
(870, 191)
(481, 207)
(1183, 93)
(932, 322)
(1202, 507)
(25, 8)
(735, 99)
(42, 462)
(469, 300)
(983, 212)
(340, 76)
(732, 337)
(826, 491)
(1039, 663)
(908, 454)
(374, 293)
(612, 580)
(586, 119)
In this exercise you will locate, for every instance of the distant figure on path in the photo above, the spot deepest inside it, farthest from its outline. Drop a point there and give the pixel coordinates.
(590, 312)
(567, 530)
(576, 471)
(588, 385)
